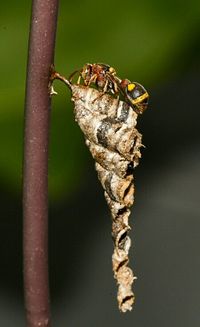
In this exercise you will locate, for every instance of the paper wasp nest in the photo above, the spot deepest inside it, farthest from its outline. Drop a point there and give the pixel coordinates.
(109, 126)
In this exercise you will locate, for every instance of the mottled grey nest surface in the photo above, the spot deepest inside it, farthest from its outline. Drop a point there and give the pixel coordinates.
(109, 126)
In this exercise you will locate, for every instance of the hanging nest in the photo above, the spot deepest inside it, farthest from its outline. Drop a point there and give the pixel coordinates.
(109, 127)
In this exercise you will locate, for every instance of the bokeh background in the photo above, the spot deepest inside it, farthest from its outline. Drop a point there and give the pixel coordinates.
(156, 43)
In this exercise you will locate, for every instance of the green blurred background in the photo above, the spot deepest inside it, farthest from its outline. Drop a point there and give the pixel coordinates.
(150, 42)
(155, 43)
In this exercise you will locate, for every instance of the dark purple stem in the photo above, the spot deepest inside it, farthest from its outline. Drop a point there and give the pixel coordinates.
(35, 170)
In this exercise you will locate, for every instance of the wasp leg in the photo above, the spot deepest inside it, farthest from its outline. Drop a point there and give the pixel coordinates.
(92, 79)
(79, 79)
(72, 75)
(98, 97)
(118, 99)
(105, 87)
(116, 87)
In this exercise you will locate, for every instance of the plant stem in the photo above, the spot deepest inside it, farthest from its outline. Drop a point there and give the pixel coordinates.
(35, 170)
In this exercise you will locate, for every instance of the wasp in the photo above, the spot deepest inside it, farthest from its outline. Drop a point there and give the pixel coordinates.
(104, 77)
